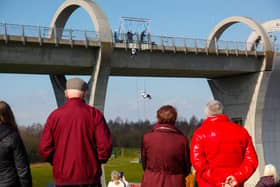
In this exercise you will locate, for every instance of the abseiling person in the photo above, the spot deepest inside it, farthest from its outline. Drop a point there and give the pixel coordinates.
(222, 152)
(76, 140)
(165, 152)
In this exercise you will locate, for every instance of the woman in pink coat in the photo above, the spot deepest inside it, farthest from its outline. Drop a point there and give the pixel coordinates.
(165, 152)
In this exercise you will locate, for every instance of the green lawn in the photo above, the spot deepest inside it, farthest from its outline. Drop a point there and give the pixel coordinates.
(123, 162)
(42, 173)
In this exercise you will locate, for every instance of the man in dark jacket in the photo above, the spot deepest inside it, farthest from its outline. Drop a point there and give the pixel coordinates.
(165, 152)
(222, 152)
(76, 140)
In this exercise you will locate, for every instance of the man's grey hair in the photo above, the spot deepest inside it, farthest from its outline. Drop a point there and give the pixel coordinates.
(214, 107)
(115, 175)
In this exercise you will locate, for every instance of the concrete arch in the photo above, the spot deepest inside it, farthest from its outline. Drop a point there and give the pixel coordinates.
(96, 14)
(101, 71)
(269, 26)
(254, 25)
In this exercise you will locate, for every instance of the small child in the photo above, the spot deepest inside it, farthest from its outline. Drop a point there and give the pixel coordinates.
(117, 180)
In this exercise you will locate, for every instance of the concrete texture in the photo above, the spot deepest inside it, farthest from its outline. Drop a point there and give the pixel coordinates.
(59, 86)
(45, 59)
(271, 118)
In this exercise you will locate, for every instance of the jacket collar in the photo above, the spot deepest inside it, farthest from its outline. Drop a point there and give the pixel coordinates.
(216, 118)
(74, 100)
(166, 128)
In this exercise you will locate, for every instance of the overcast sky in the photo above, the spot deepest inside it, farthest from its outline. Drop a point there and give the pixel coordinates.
(32, 98)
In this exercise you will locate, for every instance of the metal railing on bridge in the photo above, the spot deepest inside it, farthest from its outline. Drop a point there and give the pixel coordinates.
(23, 31)
(46, 32)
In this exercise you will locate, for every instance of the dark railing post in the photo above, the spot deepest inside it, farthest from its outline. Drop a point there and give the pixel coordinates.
(39, 35)
(150, 41)
(206, 47)
(236, 48)
(173, 44)
(5, 33)
(86, 40)
(255, 46)
(55, 35)
(162, 43)
(195, 46)
(70, 38)
(246, 52)
(216, 46)
(263, 48)
(226, 45)
(137, 41)
(185, 45)
(22, 34)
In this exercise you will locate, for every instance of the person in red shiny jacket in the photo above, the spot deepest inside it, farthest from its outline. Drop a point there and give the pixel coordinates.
(165, 152)
(222, 152)
(76, 140)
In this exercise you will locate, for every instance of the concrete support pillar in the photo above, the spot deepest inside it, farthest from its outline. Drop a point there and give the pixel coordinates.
(243, 98)
(96, 92)
(99, 80)
(59, 85)
(271, 118)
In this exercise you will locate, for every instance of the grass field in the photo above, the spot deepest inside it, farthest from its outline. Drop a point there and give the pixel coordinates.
(42, 173)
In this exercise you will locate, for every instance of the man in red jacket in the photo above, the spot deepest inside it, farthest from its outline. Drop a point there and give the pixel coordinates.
(222, 152)
(76, 140)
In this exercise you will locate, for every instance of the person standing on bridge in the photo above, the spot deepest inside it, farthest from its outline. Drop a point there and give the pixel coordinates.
(165, 152)
(222, 152)
(76, 140)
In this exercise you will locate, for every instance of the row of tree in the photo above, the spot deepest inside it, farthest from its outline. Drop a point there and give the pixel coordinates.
(124, 133)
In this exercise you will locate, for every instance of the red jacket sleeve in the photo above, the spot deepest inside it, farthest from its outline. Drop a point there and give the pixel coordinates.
(103, 138)
(199, 162)
(46, 146)
(143, 153)
(187, 158)
(249, 164)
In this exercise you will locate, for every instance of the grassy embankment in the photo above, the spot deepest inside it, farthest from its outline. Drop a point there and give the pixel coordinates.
(42, 173)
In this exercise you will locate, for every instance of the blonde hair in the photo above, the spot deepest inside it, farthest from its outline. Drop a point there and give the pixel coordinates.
(270, 170)
(115, 175)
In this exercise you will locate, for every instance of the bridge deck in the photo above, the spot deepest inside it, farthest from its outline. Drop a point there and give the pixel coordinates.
(24, 51)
